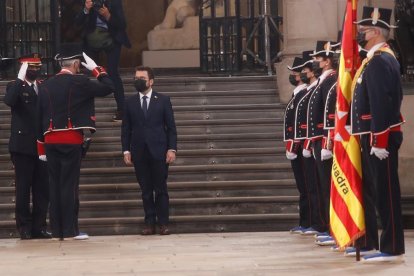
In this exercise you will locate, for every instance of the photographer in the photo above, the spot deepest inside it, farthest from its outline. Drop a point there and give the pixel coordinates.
(104, 26)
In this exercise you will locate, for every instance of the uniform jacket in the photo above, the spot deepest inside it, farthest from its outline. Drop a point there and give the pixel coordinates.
(157, 131)
(22, 99)
(116, 23)
(301, 118)
(330, 108)
(377, 96)
(67, 97)
(316, 107)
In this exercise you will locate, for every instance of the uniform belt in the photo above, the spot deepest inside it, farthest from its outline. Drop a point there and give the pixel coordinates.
(64, 137)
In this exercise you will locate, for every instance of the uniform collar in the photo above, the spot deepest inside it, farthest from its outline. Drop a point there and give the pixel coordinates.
(325, 74)
(65, 71)
(375, 48)
(299, 88)
(313, 84)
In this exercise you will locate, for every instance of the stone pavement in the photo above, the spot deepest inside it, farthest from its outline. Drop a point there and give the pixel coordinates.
(269, 253)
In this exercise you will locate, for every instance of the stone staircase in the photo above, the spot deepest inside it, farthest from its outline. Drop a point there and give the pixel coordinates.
(230, 175)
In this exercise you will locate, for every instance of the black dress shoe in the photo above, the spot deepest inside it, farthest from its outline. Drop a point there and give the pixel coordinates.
(24, 235)
(42, 234)
(117, 117)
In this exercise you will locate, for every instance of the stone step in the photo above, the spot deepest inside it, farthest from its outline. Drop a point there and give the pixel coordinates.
(178, 224)
(192, 189)
(181, 207)
(216, 172)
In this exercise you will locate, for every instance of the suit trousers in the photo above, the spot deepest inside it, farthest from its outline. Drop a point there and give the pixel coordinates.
(64, 170)
(112, 56)
(152, 177)
(30, 173)
(324, 171)
(384, 174)
(316, 218)
(298, 168)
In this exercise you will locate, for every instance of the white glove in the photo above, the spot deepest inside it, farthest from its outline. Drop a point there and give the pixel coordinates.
(306, 153)
(90, 64)
(42, 158)
(326, 154)
(22, 71)
(291, 155)
(380, 153)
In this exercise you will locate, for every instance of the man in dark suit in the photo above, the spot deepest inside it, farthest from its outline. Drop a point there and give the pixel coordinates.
(65, 109)
(30, 172)
(149, 142)
(104, 27)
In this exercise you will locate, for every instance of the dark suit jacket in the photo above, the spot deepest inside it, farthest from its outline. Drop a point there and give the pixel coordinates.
(116, 24)
(22, 100)
(67, 96)
(157, 131)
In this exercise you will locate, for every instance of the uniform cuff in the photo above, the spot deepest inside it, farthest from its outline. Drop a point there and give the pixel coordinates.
(126, 152)
(307, 144)
(380, 140)
(99, 71)
(40, 148)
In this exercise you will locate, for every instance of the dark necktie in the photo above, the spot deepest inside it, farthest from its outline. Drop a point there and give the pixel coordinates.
(33, 88)
(144, 105)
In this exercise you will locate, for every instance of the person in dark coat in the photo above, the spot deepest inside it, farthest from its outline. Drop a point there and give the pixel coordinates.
(30, 172)
(149, 142)
(104, 27)
(65, 110)
(376, 117)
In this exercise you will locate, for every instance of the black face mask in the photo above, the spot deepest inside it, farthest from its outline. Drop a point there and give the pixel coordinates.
(293, 81)
(32, 75)
(361, 39)
(363, 53)
(140, 85)
(317, 70)
(304, 78)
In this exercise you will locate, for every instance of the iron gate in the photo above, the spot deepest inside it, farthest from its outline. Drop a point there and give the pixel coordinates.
(232, 36)
(29, 26)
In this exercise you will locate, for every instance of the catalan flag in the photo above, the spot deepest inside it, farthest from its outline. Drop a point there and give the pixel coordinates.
(347, 220)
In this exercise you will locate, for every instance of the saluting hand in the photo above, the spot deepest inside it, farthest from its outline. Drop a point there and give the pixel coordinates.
(104, 11)
(22, 72)
(89, 63)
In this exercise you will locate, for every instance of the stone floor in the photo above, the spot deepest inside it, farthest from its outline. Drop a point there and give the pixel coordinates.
(270, 253)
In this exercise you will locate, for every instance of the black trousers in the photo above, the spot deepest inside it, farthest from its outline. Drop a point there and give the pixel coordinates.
(316, 218)
(113, 55)
(152, 177)
(324, 171)
(387, 194)
(30, 174)
(64, 170)
(298, 168)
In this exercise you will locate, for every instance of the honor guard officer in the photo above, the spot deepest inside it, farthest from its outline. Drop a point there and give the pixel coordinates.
(294, 147)
(376, 116)
(30, 172)
(65, 110)
(324, 68)
(301, 129)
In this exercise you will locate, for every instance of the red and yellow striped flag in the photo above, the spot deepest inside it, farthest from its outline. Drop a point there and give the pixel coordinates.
(347, 220)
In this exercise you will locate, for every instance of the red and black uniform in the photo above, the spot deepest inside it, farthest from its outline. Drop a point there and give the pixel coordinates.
(30, 172)
(301, 128)
(318, 135)
(295, 146)
(376, 116)
(66, 108)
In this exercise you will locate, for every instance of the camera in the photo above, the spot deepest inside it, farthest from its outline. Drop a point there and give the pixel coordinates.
(98, 4)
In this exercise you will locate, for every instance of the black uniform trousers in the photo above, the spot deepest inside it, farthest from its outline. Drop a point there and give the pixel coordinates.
(152, 177)
(384, 175)
(64, 170)
(316, 218)
(324, 172)
(113, 56)
(298, 167)
(30, 173)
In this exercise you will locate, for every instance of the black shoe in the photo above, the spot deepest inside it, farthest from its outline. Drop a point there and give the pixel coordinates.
(42, 234)
(118, 116)
(24, 235)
